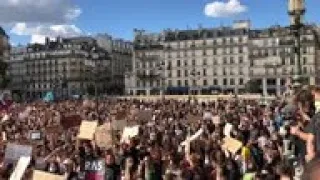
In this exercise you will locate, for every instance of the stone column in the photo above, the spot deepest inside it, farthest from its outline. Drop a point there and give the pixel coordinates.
(278, 87)
(264, 86)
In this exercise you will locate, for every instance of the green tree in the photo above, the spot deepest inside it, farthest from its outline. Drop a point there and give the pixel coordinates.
(252, 86)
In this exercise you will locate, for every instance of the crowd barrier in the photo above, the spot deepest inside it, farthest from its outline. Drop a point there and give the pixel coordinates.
(198, 97)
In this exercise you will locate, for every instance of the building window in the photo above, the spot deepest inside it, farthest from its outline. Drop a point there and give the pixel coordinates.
(240, 50)
(204, 53)
(225, 81)
(194, 82)
(240, 59)
(186, 73)
(204, 72)
(225, 61)
(214, 42)
(224, 71)
(178, 63)
(178, 73)
(215, 82)
(231, 60)
(232, 81)
(186, 63)
(186, 82)
(240, 81)
(179, 82)
(169, 74)
(214, 51)
(214, 61)
(170, 83)
(305, 60)
(305, 70)
(205, 83)
(214, 71)
(204, 62)
(291, 61)
(240, 71)
(193, 62)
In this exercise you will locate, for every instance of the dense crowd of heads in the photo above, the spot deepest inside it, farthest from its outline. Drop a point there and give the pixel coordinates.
(163, 148)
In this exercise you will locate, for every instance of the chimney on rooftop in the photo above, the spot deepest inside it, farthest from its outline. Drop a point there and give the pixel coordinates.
(47, 40)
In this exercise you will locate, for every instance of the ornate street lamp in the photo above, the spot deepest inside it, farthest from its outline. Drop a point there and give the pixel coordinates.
(296, 11)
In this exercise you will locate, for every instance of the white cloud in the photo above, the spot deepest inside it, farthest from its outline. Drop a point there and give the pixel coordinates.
(224, 9)
(39, 32)
(38, 11)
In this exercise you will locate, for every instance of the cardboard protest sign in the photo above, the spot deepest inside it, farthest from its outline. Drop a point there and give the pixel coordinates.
(216, 120)
(95, 169)
(118, 125)
(128, 133)
(207, 115)
(193, 118)
(103, 136)
(69, 121)
(87, 130)
(232, 145)
(20, 168)
(144, 116)
(47, 176)
(15, 151)
(193, 137)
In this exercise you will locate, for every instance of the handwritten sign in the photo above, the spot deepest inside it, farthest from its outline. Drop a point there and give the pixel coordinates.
(87, 129)
(20, 168)
(232, 145)
(103, 136)
(15, 151)
(47, 176)
(129, 132)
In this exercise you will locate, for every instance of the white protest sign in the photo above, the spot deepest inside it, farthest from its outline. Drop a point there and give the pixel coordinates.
(5, 118)
(207, 115)
(216, 120)
(193, 137)
(20, 168)
(227, 129)
(129, 132)
(15, 151)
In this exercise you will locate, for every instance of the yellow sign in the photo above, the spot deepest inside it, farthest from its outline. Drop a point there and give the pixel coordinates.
(87, 130)
(317, 103)
(232, 145)
(47, 176)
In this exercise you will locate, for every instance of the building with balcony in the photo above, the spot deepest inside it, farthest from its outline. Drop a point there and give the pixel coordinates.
(219, 60)
(120, 52)
(273, 59)
(71, 66)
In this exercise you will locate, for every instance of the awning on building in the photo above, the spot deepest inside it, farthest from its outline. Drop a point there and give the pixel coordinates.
(178, 89)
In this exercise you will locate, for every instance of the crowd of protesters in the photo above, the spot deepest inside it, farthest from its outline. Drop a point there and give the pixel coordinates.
(163, 149)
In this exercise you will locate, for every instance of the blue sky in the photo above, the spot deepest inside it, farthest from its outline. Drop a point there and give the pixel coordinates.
(120, 17)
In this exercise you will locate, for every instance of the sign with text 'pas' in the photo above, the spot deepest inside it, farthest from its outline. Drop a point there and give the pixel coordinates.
(94, 169)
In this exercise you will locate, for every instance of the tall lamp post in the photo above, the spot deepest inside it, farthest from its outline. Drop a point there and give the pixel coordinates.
(296, 10)
(161, 70)
(195, 75)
